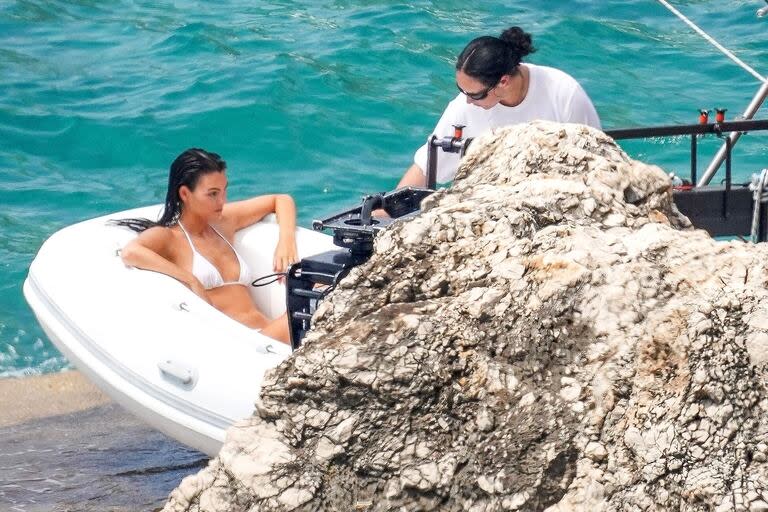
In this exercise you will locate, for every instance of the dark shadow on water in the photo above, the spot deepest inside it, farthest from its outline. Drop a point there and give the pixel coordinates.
(96, 460)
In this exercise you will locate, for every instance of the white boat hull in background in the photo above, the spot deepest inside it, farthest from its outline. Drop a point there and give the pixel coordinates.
(149, 342)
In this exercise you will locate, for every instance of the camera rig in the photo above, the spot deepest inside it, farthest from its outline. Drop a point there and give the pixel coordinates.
(727, 209)
(354, 230)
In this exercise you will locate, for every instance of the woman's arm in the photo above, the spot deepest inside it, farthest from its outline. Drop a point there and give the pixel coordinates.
(413, 177)
(241, 214)
(286, 252)
(149, 251)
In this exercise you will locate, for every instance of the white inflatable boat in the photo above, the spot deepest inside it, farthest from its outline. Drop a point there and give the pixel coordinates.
(147, 340)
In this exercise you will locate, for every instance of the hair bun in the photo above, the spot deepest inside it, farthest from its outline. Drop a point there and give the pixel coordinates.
(518, 40)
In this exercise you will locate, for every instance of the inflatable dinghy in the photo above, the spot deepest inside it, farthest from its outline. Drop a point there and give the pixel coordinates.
(146, 340)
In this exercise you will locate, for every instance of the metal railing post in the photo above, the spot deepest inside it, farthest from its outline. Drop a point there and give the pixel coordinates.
(749, 113)
(694, 154)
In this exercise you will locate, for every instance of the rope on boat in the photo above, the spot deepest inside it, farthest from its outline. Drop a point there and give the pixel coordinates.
(714, 43)
(262, 281)
(759, 196)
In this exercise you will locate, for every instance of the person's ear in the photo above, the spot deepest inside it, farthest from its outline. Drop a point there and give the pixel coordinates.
(184, 193)
(504, 81)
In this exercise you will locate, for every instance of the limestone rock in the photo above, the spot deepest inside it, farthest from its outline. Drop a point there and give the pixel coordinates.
(548, 334)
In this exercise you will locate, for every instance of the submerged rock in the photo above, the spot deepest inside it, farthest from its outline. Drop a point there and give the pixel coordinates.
(549, 334)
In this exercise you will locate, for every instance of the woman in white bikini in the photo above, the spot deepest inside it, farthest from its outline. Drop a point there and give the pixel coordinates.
(192, 241)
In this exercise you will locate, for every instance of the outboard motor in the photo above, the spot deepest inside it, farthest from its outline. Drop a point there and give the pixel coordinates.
(312, 278)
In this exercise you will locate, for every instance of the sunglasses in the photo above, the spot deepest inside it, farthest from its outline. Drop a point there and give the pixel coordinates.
(477, 96)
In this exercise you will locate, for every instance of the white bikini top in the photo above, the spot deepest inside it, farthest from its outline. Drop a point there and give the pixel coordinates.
(208, 275)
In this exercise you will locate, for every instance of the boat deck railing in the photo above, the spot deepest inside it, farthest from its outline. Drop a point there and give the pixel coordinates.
(727, 209)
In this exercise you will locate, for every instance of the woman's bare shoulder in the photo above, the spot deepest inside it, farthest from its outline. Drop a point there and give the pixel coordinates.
(159, 233)
(162, 239)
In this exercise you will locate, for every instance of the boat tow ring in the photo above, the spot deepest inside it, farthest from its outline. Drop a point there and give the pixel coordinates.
(178, 372)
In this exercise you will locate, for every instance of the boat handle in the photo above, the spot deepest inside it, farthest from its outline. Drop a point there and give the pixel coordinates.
(177, 371)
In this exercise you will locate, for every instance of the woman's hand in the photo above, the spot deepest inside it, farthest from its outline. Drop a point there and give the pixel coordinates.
(197, 287)
(285, 253)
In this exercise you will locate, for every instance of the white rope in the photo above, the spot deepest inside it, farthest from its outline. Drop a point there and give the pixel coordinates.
(712, 41)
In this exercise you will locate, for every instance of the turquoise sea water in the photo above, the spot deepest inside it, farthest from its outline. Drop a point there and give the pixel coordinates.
(323, 100)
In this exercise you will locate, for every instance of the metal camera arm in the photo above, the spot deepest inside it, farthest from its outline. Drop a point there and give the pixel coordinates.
(354, 230)
(453, 144)
(312, 278)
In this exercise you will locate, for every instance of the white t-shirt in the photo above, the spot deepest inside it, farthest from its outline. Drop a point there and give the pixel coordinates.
(553, 95)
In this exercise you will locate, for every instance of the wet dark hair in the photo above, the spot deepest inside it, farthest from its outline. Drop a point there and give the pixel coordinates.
(488, 58)
(185, 170)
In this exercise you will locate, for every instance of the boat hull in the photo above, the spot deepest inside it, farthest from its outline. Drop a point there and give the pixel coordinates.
(146, 340)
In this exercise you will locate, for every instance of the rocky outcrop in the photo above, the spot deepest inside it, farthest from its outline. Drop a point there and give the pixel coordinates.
(549, 334)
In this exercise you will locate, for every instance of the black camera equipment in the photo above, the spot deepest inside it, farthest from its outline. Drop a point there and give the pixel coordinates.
(309, 280)
(354, 230)
(723, 210)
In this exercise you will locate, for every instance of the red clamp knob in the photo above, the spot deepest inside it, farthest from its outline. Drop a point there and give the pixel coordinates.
(720, 114)
(458, 131)
(703, 116)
